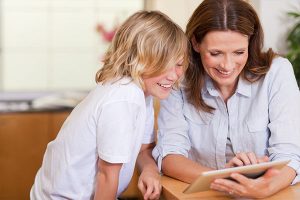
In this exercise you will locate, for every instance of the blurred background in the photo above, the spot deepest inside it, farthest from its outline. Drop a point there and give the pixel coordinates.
(50, 51)
(51, 45)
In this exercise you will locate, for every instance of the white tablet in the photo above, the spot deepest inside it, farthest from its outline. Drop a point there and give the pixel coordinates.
(202, 183)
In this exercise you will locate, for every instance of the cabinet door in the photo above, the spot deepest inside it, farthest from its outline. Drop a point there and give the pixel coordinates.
(23, 139)
(55, 122)
(132, 191)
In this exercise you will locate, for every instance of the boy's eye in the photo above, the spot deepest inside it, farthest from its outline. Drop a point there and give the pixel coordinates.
(179, 63)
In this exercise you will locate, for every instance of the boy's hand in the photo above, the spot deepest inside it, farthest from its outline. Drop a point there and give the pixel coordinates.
(149, 184)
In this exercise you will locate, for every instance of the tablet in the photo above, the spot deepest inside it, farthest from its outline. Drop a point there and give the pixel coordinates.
(202, 183)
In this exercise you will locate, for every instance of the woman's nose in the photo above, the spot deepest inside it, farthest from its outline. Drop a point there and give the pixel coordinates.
(228, 63)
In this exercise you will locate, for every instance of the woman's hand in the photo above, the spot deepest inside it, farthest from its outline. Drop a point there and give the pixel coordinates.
(245, 158)
(247, 187)
(149, 184)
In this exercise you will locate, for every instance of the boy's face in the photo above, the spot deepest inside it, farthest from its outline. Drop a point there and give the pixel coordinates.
(160, 86)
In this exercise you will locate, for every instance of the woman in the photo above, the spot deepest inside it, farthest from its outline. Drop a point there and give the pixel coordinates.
(238, 105)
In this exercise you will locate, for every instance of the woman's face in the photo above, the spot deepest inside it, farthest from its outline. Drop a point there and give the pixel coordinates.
(160, 86)
(223, 55)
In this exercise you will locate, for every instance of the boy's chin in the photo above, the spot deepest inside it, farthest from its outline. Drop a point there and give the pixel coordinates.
(162, 96)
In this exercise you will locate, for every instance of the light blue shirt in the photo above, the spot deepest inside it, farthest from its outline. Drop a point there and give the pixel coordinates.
(261, 117)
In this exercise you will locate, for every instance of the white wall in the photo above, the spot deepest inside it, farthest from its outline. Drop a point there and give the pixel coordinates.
(178, 10)
(53, 44)
(272, 14)
(275, 22)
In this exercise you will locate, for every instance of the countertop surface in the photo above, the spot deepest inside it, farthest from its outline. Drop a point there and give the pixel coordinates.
(22, 102)
(173, 190)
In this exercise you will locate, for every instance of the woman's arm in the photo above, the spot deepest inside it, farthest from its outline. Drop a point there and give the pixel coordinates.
(173, 143)
(284, 109)
(107, 180)
(182, 168)
(149, 181)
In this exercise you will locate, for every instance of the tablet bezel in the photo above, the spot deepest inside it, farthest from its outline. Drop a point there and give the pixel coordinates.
(202, 183)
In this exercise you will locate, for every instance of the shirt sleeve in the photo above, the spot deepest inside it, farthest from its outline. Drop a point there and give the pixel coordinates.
(284, 115)
(172, 129)
(116, 133)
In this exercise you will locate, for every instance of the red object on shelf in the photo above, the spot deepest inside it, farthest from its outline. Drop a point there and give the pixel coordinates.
(106, 34)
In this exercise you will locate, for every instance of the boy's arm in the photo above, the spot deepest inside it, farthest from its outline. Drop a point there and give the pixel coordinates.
(107, 180)
(149, 181)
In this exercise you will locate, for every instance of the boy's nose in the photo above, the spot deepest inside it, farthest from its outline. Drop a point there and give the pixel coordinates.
(174, 73)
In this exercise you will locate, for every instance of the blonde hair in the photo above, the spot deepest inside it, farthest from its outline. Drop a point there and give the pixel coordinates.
(145, 45)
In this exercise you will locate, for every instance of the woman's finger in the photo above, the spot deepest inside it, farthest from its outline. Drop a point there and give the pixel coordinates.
(263, 159)
(240, 178)
(218, 187)
(229, 186)
(244, 157)
(252, 158)
(237, 162)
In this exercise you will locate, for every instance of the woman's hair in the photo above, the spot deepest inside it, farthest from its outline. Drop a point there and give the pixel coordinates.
(225, 15)
(145, 45)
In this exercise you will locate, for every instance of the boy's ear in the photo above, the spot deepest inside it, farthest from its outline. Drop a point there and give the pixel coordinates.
(195, 44)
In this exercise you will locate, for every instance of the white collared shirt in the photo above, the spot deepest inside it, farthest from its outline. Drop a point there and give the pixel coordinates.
(261, 117)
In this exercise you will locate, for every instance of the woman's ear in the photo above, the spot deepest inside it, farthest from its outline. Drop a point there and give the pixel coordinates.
(195, 44)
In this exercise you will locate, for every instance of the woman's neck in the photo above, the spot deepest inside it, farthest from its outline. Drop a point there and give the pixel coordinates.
(227, 91)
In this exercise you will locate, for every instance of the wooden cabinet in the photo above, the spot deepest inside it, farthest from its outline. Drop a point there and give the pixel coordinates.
(55, 122)
(23, 140)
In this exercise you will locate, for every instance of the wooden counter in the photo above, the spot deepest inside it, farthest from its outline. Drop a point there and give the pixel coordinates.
(23, 139)
(172, 190)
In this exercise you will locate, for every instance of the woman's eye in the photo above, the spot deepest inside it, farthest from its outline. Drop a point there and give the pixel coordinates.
(239, 52)
(214, 53)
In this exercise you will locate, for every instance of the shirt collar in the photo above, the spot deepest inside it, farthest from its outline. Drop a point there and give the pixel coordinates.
(244, 87)
(209, 87)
